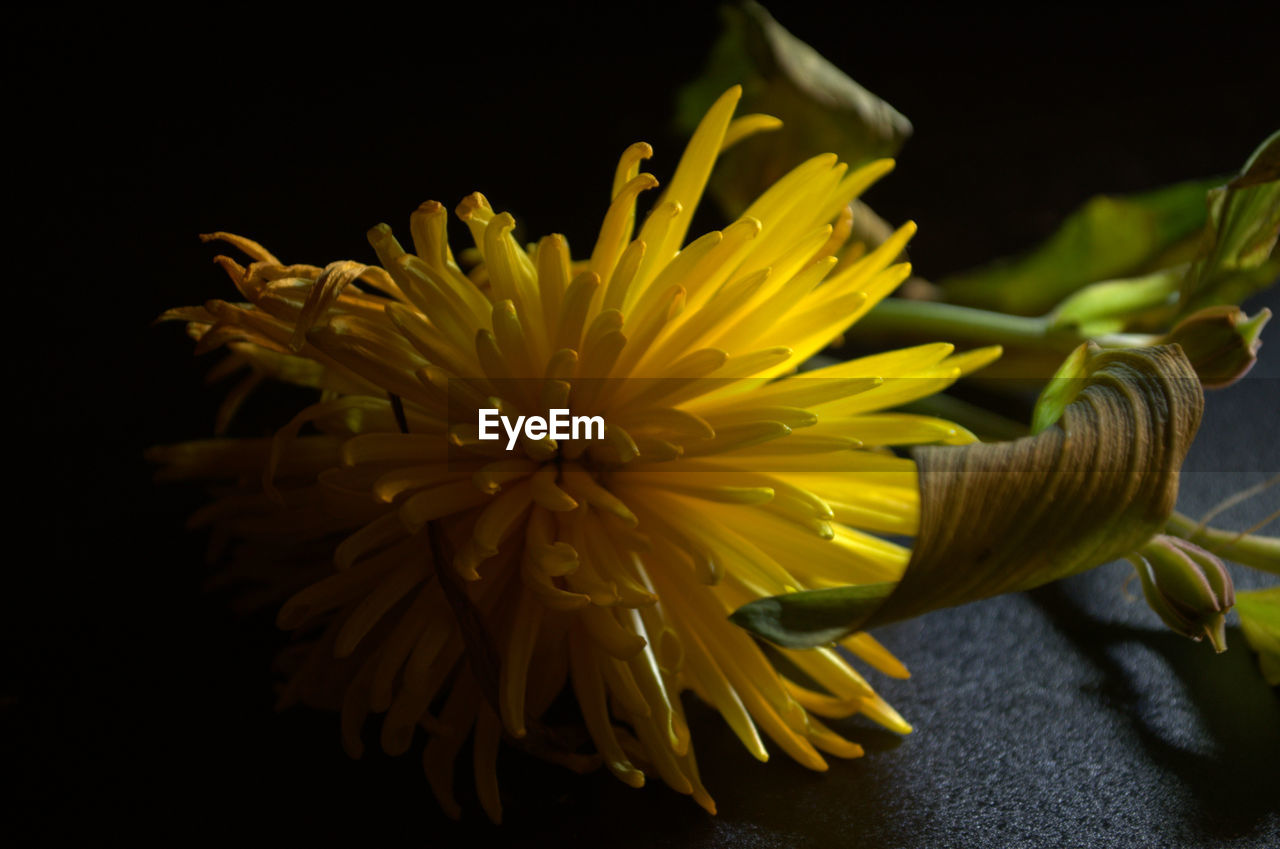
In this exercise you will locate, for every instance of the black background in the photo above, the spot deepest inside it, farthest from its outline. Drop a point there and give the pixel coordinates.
(134, 704)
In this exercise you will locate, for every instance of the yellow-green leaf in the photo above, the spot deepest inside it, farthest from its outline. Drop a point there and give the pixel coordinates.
(1111, 236)
(1260, 618)
(1062, 388)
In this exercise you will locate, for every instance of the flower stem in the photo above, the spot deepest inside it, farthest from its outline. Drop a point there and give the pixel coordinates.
(988, 425)
(938, 320)
(1260, 552)
(906, 317)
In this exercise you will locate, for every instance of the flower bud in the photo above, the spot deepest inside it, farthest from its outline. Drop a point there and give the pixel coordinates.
(1187, 587)
(1221, 342)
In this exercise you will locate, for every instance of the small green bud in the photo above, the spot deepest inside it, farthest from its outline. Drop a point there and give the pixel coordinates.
(1187, 587)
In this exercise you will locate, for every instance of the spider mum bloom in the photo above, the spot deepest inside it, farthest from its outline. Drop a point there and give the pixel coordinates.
(466, 585)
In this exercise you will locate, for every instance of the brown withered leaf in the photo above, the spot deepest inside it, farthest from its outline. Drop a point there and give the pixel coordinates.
(1009, 516)
(821, 108)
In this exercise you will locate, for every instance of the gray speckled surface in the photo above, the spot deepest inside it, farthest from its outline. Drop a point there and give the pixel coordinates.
(1064, 717)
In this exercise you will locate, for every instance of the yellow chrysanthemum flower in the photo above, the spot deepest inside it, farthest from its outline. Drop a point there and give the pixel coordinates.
(472, 582)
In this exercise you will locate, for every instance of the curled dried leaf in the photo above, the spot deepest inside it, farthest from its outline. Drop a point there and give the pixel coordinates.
(1003, 517)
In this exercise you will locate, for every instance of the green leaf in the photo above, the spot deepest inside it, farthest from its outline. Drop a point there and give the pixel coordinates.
(1109, 306)
(1009, 516)
(821, 108)
(1062, 388)
(813, 617)
(1111, 236)
(1260, 619)
(1217, 241)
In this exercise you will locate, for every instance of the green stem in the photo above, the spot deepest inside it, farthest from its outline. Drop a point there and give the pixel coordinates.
(987, 425)
(1248, 550)
(949, 322)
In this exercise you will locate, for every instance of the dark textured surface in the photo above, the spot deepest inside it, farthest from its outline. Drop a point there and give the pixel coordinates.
(135, 705)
